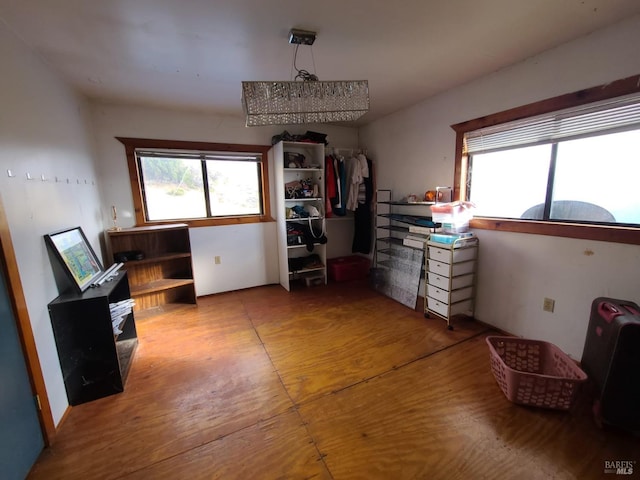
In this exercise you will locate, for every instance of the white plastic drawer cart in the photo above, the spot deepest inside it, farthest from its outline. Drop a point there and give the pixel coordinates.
(450, 276)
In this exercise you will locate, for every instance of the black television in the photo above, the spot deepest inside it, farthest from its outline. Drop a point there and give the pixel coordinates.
(76, 257)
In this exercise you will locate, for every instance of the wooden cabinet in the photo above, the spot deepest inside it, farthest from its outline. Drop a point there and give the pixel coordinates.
(300, 216)
(95, 348)
(450, 276)
(162, 279)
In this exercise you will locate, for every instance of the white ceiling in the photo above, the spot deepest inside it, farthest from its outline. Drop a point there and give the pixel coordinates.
(194, 53)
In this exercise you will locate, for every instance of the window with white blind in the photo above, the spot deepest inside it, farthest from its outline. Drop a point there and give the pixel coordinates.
(185, 181)
(578, 165)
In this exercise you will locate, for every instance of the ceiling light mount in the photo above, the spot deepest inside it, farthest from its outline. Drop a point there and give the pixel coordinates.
(301, 37)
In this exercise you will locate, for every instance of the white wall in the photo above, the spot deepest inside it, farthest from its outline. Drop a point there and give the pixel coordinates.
(248, 252)
(43, 131)
(414, 149)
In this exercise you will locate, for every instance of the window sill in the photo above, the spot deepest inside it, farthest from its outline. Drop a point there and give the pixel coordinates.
(601, 233)
(215, 222)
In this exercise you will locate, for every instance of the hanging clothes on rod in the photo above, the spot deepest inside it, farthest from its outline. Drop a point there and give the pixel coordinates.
(359, 171)
(349, 187)
(363, 213)
(336, 178)
(330, 188)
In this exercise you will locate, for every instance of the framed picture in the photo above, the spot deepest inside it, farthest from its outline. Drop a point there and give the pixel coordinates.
(76, 257)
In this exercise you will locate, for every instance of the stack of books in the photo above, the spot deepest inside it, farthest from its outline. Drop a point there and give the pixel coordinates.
(119, 313)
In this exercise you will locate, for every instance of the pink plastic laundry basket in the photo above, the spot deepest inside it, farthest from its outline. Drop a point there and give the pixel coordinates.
(534, 373)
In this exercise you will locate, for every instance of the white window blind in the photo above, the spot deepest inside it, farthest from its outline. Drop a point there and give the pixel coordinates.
(607, 116)
(193, 155)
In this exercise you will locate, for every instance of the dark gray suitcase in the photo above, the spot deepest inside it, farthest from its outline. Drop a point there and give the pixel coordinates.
(611, 359)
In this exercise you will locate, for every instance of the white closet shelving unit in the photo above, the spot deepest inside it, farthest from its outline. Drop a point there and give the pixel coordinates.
(311, 172)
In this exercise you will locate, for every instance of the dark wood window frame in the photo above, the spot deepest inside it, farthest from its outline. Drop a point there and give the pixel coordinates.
(617, 234)
(131, 144)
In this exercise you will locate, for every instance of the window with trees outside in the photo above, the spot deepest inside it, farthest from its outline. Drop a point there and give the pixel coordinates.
(567, 166)
(198, 183)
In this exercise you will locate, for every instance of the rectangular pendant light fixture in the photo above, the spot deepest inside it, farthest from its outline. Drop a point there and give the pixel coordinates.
(304, 101)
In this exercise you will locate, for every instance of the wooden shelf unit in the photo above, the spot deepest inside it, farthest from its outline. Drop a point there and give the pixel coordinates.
(159, 285)
(165, 274)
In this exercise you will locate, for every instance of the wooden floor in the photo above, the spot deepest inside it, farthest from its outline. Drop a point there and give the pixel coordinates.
(333, 382)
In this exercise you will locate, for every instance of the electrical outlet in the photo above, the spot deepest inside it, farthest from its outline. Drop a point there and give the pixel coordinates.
(216, 260)
(548, 304)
